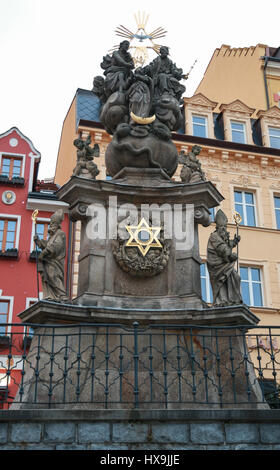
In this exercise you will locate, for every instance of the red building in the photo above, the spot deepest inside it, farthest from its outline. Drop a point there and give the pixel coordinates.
(20, 195)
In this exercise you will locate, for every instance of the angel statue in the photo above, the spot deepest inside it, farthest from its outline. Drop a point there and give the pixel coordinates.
(191, 171)
(85, 165)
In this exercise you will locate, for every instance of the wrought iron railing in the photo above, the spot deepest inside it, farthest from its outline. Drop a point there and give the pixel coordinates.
(155, 366)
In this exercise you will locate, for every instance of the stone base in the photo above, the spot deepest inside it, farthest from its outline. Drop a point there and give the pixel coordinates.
(151, 359)
(47, 312)
(140, 430)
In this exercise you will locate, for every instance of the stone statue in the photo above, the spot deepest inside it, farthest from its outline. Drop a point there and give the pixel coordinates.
(225, 280)
(51, 260)
(191, 171)
(85, 165)
(118, 69)
(140, 94)
(166, 75)
(141, 110)
(98, 88)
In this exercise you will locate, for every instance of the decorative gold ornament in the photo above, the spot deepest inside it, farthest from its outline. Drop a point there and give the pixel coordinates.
(143, 236)
(142, 120)
(237, 218)
(34, 216)
(8, 197)
(146, 40)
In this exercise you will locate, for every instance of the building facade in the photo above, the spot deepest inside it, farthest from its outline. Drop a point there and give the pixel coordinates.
(244, 166)
(21, 194)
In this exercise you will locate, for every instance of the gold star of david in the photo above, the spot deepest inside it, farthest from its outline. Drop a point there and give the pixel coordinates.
(143, 229)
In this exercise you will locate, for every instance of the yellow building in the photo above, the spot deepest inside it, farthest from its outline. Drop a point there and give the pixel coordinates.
(250, 74)
(240, 140)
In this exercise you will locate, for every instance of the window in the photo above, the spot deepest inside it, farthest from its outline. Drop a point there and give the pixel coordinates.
(28, 331)
(212, 213)
(251, 286)
(41, 231)
(274, 137)
(199, 126)
(11, 166)
(206, 290)
(244, 202)
(4, 382)
(277, 210)
(7, 234)
(271, 392)
(4, 312)
(238, 132)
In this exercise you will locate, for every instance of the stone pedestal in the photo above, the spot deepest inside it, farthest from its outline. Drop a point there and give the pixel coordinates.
(144, 358)
(102, 281)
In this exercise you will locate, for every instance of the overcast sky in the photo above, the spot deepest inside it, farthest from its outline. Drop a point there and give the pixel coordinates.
(49, 48)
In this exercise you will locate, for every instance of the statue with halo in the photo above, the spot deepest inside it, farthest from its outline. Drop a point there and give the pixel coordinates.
(141, 108)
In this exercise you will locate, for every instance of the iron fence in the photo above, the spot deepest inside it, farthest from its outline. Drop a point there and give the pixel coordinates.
(156, 366)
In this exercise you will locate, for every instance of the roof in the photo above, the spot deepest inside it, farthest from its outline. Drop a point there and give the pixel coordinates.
(36, 152)
(87, 106)
(46, 186)
(274, 52)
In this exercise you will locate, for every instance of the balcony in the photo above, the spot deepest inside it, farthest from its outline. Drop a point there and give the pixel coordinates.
(9, 253)
(15, 180)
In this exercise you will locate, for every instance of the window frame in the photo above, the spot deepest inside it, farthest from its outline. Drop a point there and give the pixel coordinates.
(204, 126)
(208, 287)
(213, 211)
(244, 205)
(28, 302)
(15, 156)
(277, 137)
(17, 218)
(250, 283)
(275, 210)
(2, 301)
(43, 220)
(235, 121)
(10, 300)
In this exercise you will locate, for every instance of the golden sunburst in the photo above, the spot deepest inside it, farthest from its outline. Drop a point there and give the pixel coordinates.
(140, 41)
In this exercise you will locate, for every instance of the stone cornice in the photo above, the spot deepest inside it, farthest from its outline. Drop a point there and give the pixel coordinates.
(237, 106)
(273, 112)
(189, 140)
(183, 139)
(161, 415)
(200, 100)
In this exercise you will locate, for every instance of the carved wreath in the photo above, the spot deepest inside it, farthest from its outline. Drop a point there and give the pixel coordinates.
(134, 263)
